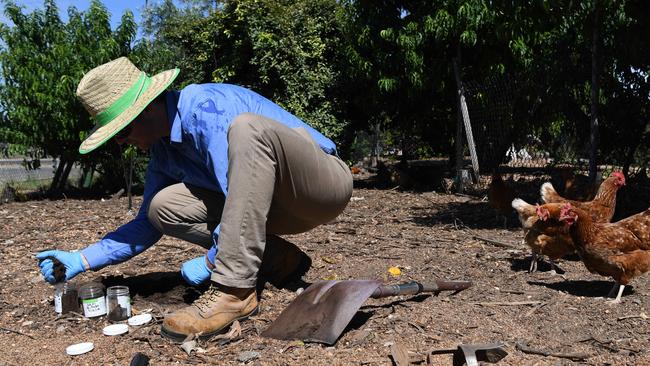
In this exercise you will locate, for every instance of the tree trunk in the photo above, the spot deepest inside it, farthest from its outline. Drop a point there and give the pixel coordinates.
(64, 177)
(593, 138)
(60, 176)
(459, 134)
(57, 175)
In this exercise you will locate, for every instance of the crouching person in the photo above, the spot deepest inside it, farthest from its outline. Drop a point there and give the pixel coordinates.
(229, 170)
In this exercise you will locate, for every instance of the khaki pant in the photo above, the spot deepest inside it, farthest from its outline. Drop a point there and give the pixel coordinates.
(279, 182)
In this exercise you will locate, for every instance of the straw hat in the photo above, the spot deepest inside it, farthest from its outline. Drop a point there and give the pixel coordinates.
(114, 94)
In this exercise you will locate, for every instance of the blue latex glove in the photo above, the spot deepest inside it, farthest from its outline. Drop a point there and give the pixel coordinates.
(196, 271)
(71, 260)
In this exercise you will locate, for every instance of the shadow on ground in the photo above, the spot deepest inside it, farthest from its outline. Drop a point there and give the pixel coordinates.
(582, 287)
(473, 214)
(157, 284)
(368, 311)
(543, 264)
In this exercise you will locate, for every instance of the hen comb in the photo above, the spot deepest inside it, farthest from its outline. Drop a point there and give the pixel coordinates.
(542, 213)
(565, 209)
(619, 175)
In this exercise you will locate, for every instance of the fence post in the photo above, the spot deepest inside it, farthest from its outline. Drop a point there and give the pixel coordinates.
(462, 106)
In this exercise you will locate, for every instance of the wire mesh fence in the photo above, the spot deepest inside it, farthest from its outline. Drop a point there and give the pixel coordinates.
(505, 138)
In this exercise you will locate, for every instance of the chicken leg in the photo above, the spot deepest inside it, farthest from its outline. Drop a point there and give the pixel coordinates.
(533, 263)
(611, 293)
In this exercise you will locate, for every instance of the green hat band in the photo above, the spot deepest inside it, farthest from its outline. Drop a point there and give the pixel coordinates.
(125, 101)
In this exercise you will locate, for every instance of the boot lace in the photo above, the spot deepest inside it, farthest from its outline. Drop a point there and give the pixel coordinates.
(207, 298)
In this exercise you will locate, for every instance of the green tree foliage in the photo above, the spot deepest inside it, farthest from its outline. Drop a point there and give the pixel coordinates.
(43, 60)
(160, 49)
(284, 50)
(401, 54)
(554, 42)
(350, 65)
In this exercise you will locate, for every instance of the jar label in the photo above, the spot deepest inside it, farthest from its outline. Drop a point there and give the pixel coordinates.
(58, 304)
(94, 307)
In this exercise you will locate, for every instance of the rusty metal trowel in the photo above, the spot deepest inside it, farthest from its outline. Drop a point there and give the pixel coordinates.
(472, 354)
(324, 309)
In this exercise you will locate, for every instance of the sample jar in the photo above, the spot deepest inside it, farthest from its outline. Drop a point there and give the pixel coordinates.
(65, 297)
(93, 301)
(118, 303)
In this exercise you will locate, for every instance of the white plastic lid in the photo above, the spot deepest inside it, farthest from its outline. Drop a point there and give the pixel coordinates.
(115, 329)
(79, 348)
(140, 319)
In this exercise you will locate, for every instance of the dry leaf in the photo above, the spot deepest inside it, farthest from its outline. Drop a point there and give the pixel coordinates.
(328, 260)
(331, 277)
(292, 345)
(189, 346)
(233, 334)
(400, 354)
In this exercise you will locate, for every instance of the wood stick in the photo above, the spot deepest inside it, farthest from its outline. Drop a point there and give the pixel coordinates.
(467, 196)
(572, 356)
(504, 303)
(77, 314)
(642, 316)
(516, 292)
(494, 242)
(535, 308)
(603, 344)
(16, 331)
(378, 213)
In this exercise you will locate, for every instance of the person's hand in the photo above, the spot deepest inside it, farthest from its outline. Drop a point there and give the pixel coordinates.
(72, 262)
(196, 271)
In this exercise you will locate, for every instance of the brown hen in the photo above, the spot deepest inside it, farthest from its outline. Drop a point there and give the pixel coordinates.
(500, 196)
(601, 207)
(544, 235)
(619, 249)
(574, 186)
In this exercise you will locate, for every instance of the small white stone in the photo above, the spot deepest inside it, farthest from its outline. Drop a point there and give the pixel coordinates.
(247, 356)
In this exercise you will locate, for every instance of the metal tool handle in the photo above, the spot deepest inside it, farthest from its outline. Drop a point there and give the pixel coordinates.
(413, 288)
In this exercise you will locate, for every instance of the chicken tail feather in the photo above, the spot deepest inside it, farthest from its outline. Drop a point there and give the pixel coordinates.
(549, 194)
(526, 211)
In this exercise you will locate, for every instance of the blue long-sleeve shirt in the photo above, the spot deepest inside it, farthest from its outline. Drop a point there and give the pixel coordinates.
(196, 153)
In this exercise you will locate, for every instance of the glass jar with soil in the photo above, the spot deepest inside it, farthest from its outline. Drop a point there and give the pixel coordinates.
(118, 303)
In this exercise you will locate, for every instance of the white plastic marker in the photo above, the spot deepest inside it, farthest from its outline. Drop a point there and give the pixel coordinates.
(139, 319)
(115, 329)
(79, 348)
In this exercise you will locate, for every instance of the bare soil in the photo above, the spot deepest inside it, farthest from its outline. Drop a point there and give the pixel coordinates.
(427, 235)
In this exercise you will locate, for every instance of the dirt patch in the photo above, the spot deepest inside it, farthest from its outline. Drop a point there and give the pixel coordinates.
(426, 234)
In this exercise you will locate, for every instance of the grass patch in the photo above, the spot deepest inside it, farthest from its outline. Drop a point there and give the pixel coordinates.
(30, 185)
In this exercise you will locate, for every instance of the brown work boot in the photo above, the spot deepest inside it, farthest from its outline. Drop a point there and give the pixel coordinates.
(211, 313)
(283, 262)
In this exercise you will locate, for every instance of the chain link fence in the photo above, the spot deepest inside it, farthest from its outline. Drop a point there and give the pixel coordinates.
(22, 170)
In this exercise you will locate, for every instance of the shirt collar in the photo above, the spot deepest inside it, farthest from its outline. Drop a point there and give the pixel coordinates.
(175, 134)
